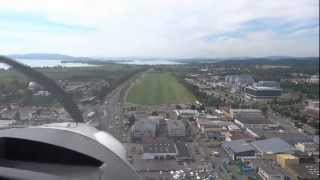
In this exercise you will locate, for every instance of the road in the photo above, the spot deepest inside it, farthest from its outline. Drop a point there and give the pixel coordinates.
(109, 114)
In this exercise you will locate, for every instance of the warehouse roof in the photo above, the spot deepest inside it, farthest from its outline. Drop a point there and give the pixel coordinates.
(253, 119)
(272, 146)
(159, 147)
(238, 146)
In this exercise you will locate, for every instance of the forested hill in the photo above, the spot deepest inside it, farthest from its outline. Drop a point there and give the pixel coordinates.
(307, 61)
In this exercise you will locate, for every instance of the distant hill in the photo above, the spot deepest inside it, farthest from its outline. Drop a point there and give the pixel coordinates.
(283, 61)
(40, 56)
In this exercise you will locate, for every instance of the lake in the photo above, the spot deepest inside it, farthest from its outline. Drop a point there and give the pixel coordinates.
(46, 63)
(57, 62)
(150, 62)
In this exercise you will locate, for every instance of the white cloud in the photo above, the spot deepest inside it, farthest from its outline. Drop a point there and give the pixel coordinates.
(162, 27)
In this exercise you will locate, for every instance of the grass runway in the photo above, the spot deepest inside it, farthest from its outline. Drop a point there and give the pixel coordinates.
(159, 88)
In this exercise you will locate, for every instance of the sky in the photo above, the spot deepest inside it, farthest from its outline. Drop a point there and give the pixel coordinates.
(160, 28)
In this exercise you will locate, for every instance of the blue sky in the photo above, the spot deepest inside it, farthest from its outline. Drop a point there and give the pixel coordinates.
(161, 28)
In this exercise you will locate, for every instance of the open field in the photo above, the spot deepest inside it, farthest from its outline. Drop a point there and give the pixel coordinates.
(159, 88)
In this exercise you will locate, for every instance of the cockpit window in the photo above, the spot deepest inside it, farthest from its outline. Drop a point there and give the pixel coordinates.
(32, 151)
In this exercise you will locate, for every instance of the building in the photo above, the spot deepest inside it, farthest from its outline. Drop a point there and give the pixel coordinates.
(305, 158)
(4, 124)
(304, 171)
(176, 128)
(251, 118)
(234, 113)
(159, 149)
(187, 113)
(145, 127)
(314, 79)
(239, 82)
(268, 170)
(284, 160)
(273, 146)
(204, 125)
(253, 121)
(42, 98)
(239, 149)
(263, 90)
(308, 147)
(236, 135)
(62, 151)
(183, 152)
(313, 109)
(215, 135)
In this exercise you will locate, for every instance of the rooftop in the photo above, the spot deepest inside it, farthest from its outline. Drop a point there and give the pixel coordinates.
(175, 124)
(306, 171)
(206, 122)
(182, 150)
(269, 167)
(159, 147)
(272, 146)
(238, 146)
(253, 119)
(246, 110)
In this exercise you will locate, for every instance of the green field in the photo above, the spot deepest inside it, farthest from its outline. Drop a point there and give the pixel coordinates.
(159, 88)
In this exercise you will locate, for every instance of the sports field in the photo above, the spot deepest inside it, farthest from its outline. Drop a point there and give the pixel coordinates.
(159, 88)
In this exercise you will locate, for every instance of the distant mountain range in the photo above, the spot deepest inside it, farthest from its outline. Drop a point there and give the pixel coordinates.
(40, 56)
(283, 61)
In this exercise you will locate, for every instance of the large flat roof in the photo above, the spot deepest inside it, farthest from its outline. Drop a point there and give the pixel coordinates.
(159, 147)
(253, 119)
(238, 146)
(272, 146)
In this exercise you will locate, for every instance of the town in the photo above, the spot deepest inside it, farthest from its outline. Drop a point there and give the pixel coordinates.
(207, 121)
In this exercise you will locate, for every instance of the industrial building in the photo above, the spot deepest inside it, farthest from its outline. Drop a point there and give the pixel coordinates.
(159, 149)
(205, 125)
(239, 82)
(183, 152)
(254, 121)
(268, 170)
(285, 160)
(313, 109)
(263, 90)
(145, 127)
(239, 149)
(273, 146)
(187, 113)
(176, 128)
(234, 113)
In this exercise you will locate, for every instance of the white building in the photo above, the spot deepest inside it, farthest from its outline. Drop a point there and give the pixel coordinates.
(187, 113)
(4, 124)
(204, 124)
(314, 79)
(176, 128)
(235, 112)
